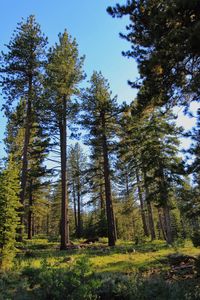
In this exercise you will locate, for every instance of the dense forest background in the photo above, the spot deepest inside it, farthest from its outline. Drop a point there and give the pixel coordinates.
(79, 164)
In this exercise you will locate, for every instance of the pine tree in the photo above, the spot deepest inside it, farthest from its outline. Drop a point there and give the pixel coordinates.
(22, 67)
(99, 118)
(165, 43)
(9, 217)
(64, 73)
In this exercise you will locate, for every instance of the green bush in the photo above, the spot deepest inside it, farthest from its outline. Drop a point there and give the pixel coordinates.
(77, 282)
(55, 283)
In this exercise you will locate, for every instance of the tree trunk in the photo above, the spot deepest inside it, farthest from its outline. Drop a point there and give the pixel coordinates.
(47, 231)
(109, 204)
(167, 222)
(25, 158)
(79, 227)
(165, 205)
(33, 225)
(142, 209)
(149, 209)
(162, 226)
(30, 212)
(74, 202)
(64, 193)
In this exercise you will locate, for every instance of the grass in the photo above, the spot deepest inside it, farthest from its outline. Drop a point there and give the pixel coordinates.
(127, 271)
(124, 258)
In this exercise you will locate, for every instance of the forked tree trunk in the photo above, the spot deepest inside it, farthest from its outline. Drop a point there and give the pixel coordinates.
(109, 205)
(64, 194)
(142, 208)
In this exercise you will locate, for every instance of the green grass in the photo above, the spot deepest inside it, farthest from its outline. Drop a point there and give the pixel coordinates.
(124, 258)
(126, 269)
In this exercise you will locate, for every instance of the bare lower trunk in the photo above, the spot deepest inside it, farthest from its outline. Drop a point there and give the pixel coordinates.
(64, 193)
(79, 227)
(47, 231)
(25, 159)
(167, 221)
(161, 222)
(142, 209)
(30, 212)
(33, 225)
(149, 209)
(74, 202)
(109, 205)
(165, 205)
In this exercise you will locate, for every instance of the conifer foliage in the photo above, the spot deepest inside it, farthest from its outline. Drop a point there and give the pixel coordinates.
(9, 216)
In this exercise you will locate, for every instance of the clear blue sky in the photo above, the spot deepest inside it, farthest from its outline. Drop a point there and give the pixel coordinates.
(96, 32)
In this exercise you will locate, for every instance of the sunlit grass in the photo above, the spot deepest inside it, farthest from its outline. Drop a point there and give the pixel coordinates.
(125, 257)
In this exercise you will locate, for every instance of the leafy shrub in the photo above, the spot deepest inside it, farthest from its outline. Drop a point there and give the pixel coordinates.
(55, 283)
(135, 287)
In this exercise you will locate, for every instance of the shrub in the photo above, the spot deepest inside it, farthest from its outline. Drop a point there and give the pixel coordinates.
(55, 283)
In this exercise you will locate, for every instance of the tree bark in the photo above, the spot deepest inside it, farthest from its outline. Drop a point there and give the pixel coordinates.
(33, 225)
(79, 225)
(167, 221)
(109, 204)
(64, 192)
(142, 209)
(165, 205)
(161, 222)
(25, 157)
(74, 202)
(149, 209)
(30, 212)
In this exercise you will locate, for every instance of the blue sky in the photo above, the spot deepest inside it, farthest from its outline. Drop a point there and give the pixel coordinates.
(97, 35)
(96, 32)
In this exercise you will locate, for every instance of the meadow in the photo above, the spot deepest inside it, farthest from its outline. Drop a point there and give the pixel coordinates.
(148, 270)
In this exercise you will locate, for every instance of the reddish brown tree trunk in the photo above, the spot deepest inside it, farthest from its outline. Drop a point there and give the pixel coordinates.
(161, 222)
(149, 209)
(142, 208)
(30, 212)
(25, 158)
(79, 225)
(74, 202)
(109, 204)
(64, 194)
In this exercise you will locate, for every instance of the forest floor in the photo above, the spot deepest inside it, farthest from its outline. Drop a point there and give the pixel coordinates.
(150, 260)
(125, 257)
